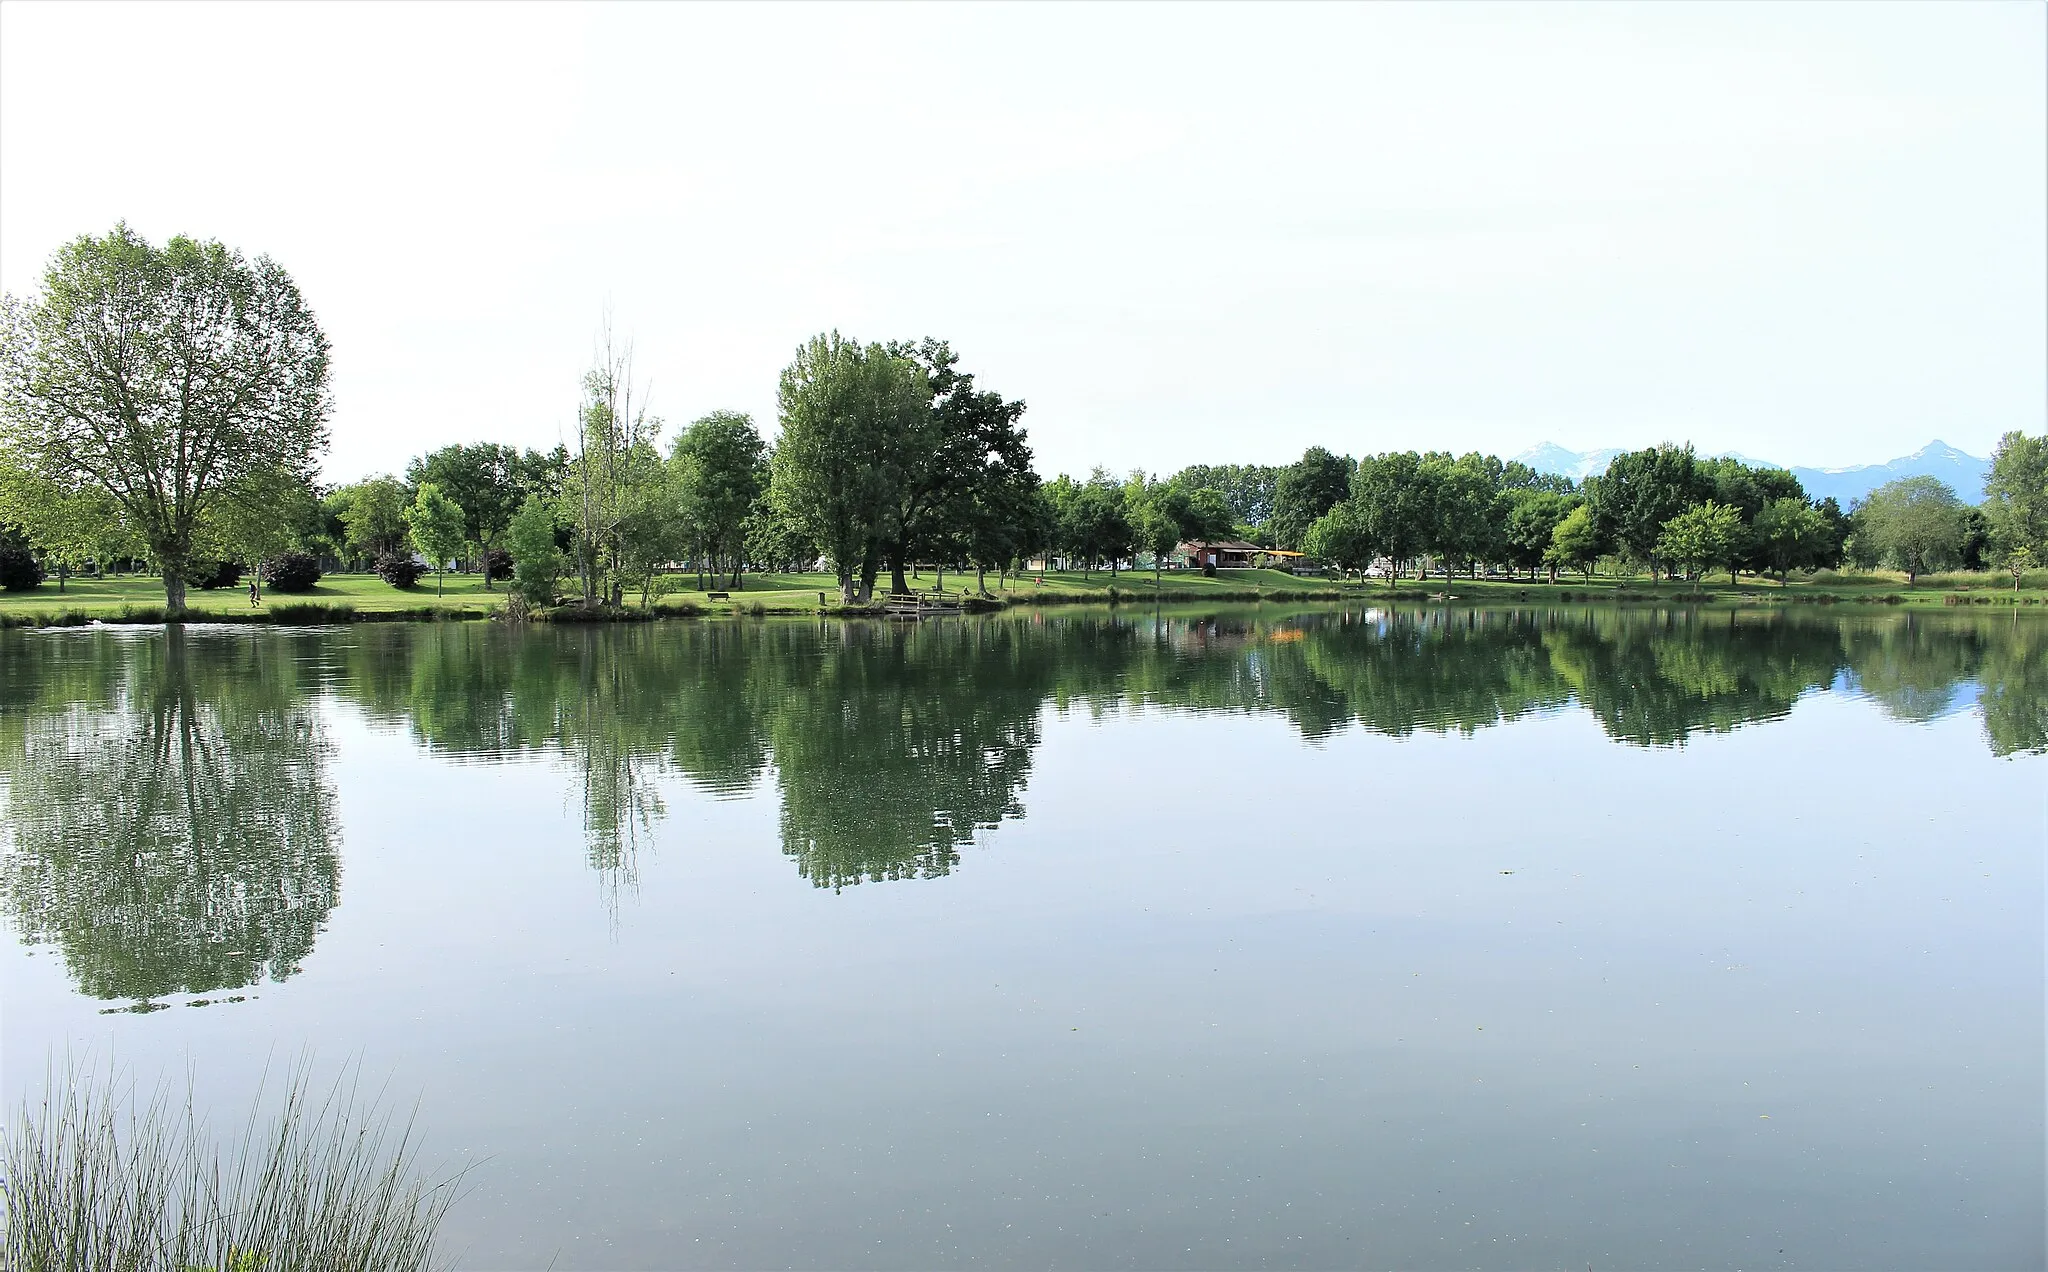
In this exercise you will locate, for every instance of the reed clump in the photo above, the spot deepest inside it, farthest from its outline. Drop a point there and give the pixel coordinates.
(98, 1181)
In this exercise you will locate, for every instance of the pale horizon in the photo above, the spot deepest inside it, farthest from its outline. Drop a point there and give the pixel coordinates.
(1811, 234)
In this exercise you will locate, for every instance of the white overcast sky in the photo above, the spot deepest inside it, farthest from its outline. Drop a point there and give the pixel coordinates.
(1183, 233)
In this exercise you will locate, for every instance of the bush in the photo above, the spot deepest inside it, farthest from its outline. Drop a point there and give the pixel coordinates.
(669, 585)
(291, 572)
(398, 569)
(214, 576)
(497, 565)
(18, 570)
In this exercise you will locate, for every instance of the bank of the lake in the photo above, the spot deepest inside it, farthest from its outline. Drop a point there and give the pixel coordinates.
(365, 597)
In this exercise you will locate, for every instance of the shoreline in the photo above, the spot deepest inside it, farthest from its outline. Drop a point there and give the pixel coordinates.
(1487, 593)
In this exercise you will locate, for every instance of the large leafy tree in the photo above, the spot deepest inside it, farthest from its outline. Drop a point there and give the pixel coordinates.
(1305, 490)
(487, 480)
(177, 379)
(1245, 489)
(968, 440)
(1160, 512)
(1575, 544)
(1343, 537)
(372, 514)
(2016, 502)
(1465, 527)
(1393, 495)
(1533, 514)
(1639, 492)
(1914, 524)
(720, 468)
(1707, 535)
(848, 413)
(1790, 534)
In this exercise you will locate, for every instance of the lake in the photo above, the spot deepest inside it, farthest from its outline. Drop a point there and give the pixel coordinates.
(1535, 937)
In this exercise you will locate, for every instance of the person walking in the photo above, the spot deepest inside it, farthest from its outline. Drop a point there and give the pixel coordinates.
(252, 591)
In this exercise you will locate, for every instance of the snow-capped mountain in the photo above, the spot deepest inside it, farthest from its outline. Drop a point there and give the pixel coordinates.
(1962, 471)
(1549, 457)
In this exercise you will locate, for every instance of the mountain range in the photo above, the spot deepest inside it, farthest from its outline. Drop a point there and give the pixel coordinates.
(1962, 471)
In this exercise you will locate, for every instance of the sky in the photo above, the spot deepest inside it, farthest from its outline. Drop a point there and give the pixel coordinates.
(1813, 233)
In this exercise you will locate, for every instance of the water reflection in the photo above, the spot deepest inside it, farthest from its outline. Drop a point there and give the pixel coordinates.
(170, 825)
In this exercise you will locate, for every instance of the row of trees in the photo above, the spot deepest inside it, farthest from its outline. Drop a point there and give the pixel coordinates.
(171, 405)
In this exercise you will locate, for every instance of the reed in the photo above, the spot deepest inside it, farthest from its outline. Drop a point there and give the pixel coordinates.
(299, 613)
(99, 1178)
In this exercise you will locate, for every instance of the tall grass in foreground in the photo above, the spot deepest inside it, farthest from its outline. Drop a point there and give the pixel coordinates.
(98, 1183)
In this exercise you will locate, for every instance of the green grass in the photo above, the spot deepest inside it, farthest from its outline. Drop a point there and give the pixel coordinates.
(365, 597)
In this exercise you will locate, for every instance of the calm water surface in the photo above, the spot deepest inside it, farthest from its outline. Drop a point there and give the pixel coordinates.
(1498, 939)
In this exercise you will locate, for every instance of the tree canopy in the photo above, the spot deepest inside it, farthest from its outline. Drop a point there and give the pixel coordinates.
(178, 380)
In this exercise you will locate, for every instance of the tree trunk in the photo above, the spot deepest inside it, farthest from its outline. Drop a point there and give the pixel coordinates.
(898, 584)
(174, 589)
(845, 587)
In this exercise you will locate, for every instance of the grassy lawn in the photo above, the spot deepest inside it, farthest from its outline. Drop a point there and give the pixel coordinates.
(786, 593)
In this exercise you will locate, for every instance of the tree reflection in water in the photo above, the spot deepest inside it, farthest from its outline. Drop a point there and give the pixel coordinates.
(170, 826)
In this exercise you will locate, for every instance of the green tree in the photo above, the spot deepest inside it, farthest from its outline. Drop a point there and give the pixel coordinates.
(1305, 490)
(1098, 526)
(1576, 543)
(1464, 527)
(847, 412)
(1247, 490)
(1790, 534)
(1208, 516)
(1159, 517)
(1533, 515)
(1701, 537)
(373, 517)
(169, 378)
(720, 469)
(1343, 537)
(2018, 562)
(536, 561)
(438, 527)
(487, 479)
(1914, 524)
(611, 476)
(2016, 495)
(948, 462)
(1639, 493)
(72, 524)
(1392, 493)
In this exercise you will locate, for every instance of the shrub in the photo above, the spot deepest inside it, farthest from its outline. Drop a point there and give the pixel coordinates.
(19, 571)
(398, 569)
(497, 565)
(291, 572)
(214, 575)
